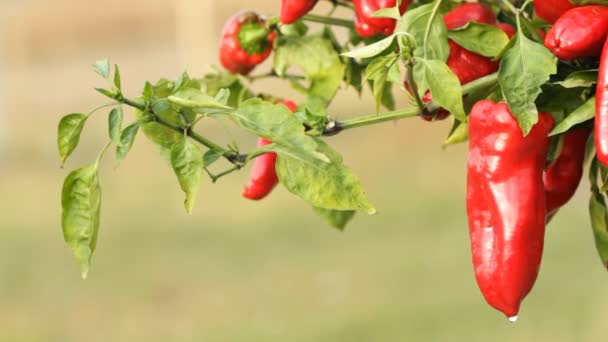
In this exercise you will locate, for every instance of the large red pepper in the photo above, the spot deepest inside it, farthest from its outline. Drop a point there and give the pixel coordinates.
(580, 32)
(506, 203)
(263, 174)
(551, 10)
(368, 26)
(245, 43)
(292, 10)
(562, 178)
(601, 109)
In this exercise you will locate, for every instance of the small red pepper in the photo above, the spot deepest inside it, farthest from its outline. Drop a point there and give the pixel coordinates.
(506, 203)
(562, 178)
(468, 12)
(263, 174)
(366, 25)
(245, 43)
(292, 10)
(551, 10)
(601, 109)
(580, 32)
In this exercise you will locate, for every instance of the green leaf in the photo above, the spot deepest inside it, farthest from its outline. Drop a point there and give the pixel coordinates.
(117, 81)
(81, 203)
(426, 26)
(390, 12)
(583, 113)
(127, 137)
(523, 69)
(108, 93)
(589, 2)
(102, 67)
(335, 218)
(483, 39)
(196, 100)
(585, 78)
(160, 135)
(115, 124)
(276, 123)
(316, 56)
(598, 215)
(211, 157)
(187, 162)
(372, 50)
(329, 186)
(458, 134)
(68, 136)
(148, 92)
(436, 76)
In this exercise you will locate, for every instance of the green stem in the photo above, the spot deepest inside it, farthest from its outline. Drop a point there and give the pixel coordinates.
(413, 85)
(329, 21)
(215, 178)
(337, 127)
(376, 119)
(343, 4)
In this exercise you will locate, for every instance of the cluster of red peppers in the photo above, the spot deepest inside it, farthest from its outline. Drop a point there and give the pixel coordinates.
(512, 191)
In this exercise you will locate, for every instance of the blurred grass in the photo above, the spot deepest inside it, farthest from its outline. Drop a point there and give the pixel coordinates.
(263, 271)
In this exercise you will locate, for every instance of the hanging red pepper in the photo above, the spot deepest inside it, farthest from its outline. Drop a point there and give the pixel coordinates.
(506, 203)
(580, 32)
(366, 25)
(551, 10)
(292, 10)
(263, 174)
(601, 109)
(562, 178)
(245, 43)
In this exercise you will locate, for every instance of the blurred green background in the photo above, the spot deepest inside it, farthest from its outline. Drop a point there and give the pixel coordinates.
(237, 270)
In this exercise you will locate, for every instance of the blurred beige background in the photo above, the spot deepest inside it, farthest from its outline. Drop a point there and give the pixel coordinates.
(236, 270)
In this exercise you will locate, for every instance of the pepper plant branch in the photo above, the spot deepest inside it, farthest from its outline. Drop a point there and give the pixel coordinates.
(231, 156)
(329, 21)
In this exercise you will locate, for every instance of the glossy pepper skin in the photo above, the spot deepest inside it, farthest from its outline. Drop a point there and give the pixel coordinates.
(601, 109)
(368, 26)
(551, 10)
(292, 10)
(580, 32)
(263, 174)
(236, 54)
(506, 203)
(562, 178)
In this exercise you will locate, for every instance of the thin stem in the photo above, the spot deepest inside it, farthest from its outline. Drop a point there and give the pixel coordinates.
(215, 178)
(329, 21)
(413, 85)
(376, 119)
(103, 106)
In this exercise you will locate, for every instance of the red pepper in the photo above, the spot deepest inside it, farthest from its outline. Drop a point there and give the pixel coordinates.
(292, 10)
(245, 43)
(468, 12)
(506, 28)
(562, 178)
(580, 32)
(551, 10)
(263, 174)
(368, 26)
(506, 203)
(601, 109)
